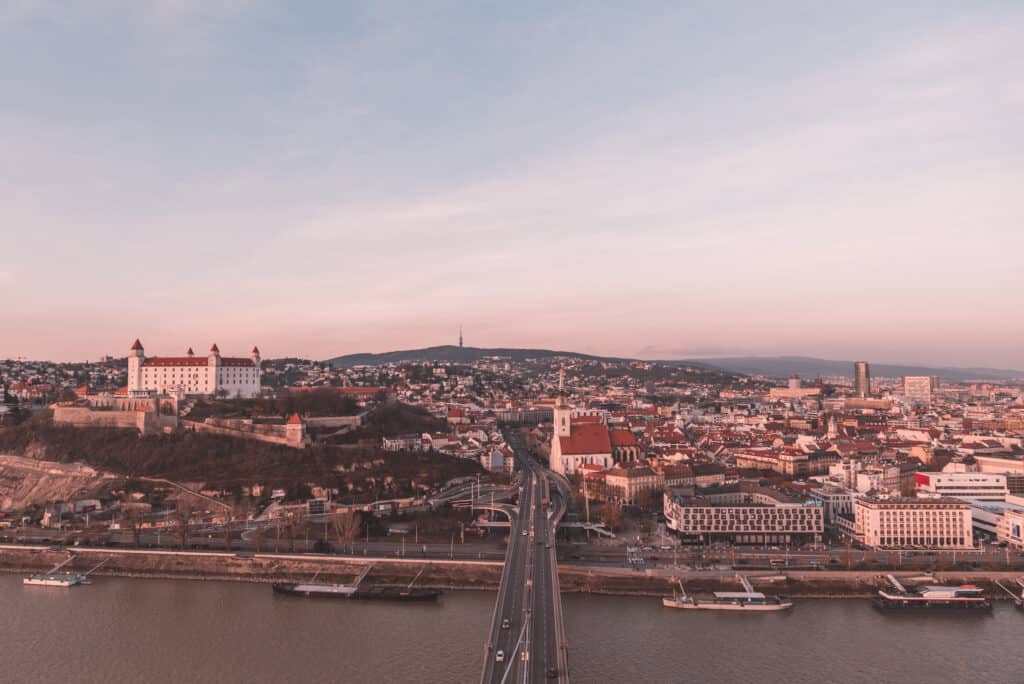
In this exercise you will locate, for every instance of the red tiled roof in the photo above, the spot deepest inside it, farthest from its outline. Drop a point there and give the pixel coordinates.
(622, 438)
(585, 420)
(229, 361)
(586, 438)
(174, 361)
(137, 345)
(214, 348)
(295, 420)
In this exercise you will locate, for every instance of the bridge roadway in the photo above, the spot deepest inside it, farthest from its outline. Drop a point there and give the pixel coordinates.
(533, 644)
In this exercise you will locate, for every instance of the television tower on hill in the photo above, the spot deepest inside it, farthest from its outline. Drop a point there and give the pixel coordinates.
(460, 336)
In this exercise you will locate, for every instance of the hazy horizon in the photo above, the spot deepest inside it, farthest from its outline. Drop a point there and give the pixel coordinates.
(199, 351)
(657, 181)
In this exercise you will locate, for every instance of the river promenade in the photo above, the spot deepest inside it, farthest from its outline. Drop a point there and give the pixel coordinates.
(456, 574)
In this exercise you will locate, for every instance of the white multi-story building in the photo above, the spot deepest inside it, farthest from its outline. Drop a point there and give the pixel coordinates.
(836, 502)
(213, 375)
(908, 523)
(971, 486)
(918, 388)
(743, 513)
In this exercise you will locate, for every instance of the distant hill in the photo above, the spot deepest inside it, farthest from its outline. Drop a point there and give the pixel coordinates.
(809, 367)
(450, 353)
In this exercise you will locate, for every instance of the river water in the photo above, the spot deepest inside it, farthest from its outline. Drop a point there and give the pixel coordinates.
(121, 630)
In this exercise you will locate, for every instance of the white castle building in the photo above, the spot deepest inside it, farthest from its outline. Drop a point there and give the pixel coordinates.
(230, 376)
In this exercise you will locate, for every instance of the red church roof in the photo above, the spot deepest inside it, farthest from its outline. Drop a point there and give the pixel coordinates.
(622, 438)
(586, 438)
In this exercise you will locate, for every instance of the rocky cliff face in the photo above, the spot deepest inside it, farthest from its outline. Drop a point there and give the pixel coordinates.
(25, 481)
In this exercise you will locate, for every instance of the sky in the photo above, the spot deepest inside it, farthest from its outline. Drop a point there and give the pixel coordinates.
(644, 179)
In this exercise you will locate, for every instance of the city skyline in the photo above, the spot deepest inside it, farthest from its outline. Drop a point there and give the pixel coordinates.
(834, 183)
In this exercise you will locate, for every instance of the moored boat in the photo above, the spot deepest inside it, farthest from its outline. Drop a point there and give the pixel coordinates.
(748, 600)
(355, 590)
(347, 591)
(936, 596)
(54, 579)
(932, 596)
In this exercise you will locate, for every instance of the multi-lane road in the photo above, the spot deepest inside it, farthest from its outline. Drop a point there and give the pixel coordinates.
(526, 642)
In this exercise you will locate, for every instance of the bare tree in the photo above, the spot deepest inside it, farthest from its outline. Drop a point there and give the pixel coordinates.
(183, 518)
(347, 525)
(132, 516)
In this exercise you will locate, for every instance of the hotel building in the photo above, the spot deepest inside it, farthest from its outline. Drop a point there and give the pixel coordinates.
(908, 523)
(742, 513)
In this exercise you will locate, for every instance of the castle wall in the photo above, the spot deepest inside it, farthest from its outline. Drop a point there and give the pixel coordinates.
(245, 429)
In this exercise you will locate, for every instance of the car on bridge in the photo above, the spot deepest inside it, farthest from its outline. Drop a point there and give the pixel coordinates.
(505, 624)
(499, 657)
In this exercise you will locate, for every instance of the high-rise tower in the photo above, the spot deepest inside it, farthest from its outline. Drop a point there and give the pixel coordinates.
(862, 379)
(460, 336)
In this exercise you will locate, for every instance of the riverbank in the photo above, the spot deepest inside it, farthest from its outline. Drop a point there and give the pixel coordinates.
(445, 574)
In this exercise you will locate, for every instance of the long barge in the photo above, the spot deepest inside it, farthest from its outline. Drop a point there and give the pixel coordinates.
(347, 591)
(747, 600)
(355, 590)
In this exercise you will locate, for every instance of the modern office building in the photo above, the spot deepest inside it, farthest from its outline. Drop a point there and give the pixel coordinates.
(862, 379)
(970, 486)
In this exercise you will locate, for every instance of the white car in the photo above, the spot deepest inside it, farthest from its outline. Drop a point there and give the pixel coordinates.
(499, 657)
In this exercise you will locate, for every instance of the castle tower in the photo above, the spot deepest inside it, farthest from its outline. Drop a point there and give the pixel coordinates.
(213, 369)
(136, 355)
(562, 412)
(295, 430)
(255, 356)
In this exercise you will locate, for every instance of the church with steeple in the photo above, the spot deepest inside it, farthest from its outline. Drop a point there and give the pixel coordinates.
(577, 442)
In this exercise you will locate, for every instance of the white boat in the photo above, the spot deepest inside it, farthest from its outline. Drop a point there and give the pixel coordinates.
(61, 579)
(747, 600)
(52, 578)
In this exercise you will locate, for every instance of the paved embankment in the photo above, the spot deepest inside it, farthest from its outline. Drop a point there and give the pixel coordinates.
(267, 567)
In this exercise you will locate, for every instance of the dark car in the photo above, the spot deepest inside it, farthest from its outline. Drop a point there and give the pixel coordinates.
(552, 673)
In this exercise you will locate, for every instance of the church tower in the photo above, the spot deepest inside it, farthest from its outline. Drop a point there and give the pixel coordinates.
(562, 412)
(136, 355)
